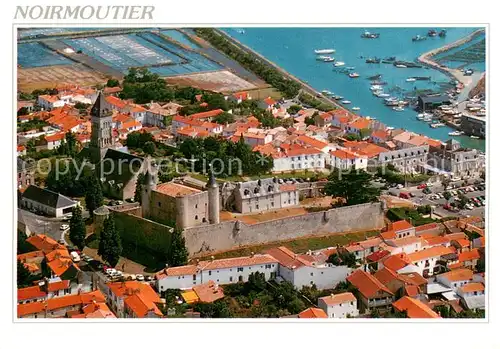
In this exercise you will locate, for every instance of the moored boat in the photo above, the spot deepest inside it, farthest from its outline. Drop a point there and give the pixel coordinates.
(356, 108)
(324, 50)
(411, 80)
(455, 133)
(368, 35)
(418, 38)
(345, 101)
(398, 108)
(328, 59)
(383, 95)
(338, 64)
(373, 60)
(354, 75)
(432, 33)
(474, 137)
(401, 66)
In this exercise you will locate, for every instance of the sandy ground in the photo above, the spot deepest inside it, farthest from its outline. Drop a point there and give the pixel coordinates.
(29, 79)
(392, 201)
(219, 81)
(264, 216)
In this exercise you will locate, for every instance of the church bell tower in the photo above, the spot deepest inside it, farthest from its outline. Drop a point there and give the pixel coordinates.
(102, 128)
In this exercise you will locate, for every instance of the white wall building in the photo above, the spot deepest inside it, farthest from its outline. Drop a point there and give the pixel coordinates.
(344, 159)
(341, 305)
(220, 271)
(299, 159)
(308, 269)
(455, 279)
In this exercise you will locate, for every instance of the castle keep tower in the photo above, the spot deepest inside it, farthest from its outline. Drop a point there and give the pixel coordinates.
(148, 186)
(213, 199)
(102, 128)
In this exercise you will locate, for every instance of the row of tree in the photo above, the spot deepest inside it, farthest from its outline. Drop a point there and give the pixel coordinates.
(229, 155)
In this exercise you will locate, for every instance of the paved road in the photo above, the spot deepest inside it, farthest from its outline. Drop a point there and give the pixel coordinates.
(49, 226)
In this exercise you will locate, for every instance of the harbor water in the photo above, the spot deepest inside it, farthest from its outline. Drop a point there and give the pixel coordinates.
(293, 50)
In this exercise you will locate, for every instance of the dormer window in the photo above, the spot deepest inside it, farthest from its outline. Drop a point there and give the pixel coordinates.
(246, 192)
(256, 190)
(270, 188)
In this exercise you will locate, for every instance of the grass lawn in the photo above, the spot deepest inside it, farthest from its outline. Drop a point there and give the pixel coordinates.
(300, 245)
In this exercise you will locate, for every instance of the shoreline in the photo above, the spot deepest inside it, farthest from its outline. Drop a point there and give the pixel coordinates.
(304, 85)
(426, 59)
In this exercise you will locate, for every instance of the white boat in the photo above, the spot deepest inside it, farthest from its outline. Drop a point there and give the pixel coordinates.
(325, 50)
(338, 64)
(455, 133)
(411, 80)
(328, 59)
(345, 101)
(320, 58)
(390, 128)
(383, 95)
(474, 137)
(436, 125)
(427, 119)
(420, 117)
(356, 108)
(401, 66)
(398, 108)
(376, 87)
(326, 92)
(354, 75)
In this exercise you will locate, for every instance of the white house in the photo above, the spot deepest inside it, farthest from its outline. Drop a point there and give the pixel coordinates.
(299, 158)
(49, 102)
(408, 245)
(472, 295)
(47, 201)
(220, 271)
(308, 269)
(345, 159)
(426, 260)
(340, 305)
(455, 279)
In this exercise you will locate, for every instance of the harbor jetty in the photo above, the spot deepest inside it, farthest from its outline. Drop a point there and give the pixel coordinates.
(427, 60)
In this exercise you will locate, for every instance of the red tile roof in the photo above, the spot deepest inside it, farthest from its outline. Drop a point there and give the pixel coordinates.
(469, 255)
(115, 101)
(433, 252)
(400, 225)
(335, 299)
(458, 275)
(313, 142)
(472, 287)
(43, 242)
(313, 313)
(396, 262)
(206, 114)
(30, 293)
(414, 308)
(367, 284)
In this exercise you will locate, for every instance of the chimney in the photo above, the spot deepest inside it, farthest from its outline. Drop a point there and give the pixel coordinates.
(197, 261)
(252, 254)
(212, 258)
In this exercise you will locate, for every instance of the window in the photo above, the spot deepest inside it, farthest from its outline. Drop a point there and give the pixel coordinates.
(196, 217)
(159, 204)
(268, 266)
(194, 277)
(196, 206)
(230, 279)
(240, 269)
(312, 274)
(209, 272)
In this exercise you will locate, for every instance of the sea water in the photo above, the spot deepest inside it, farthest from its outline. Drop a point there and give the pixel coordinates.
(293, 49)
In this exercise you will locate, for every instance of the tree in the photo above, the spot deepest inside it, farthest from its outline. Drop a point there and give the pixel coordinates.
(256, 282)
(110, 246)
(447, 195)
(294, 109)
(462, 201)
(112, 83)
(138, 187)
(22, 245)
(224, 118)
(354, 186)
(149, 148)
(178, 251)
(77, 230)
(352, 137)
(308, 120)
(24, 277)
(93, 194)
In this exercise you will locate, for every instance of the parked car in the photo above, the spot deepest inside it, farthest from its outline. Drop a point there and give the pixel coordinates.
(64, 226)
(400, 186)
(139, 277)
(404, 195)
(75, 257)
(440, 195)
(422, 186)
